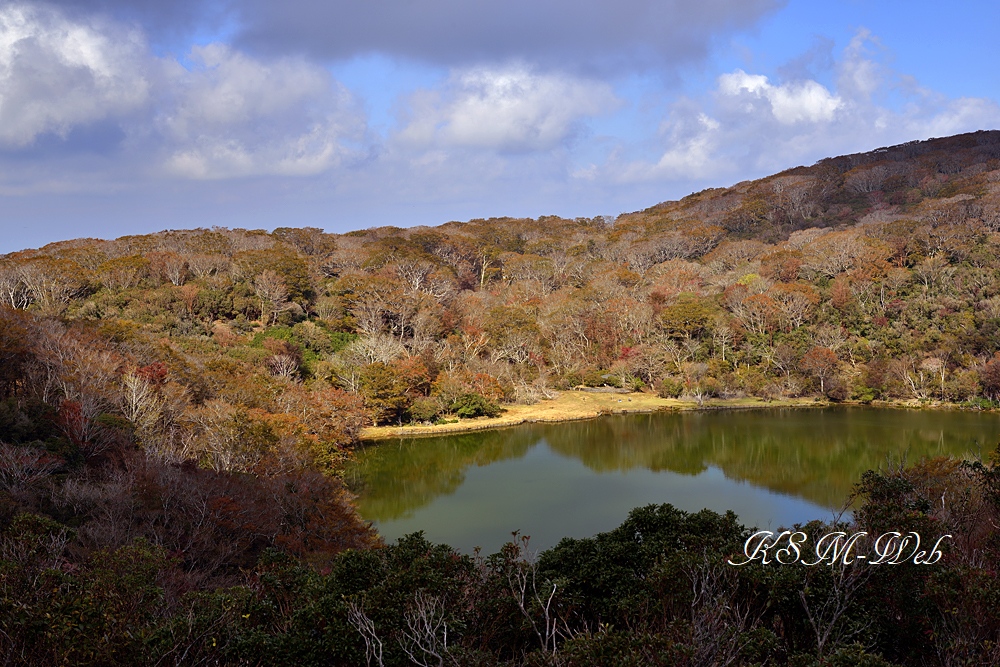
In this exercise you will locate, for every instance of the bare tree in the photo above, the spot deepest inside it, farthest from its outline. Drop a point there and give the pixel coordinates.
(693, 375)
(533, 597)
(139, 401)
(381, 347)
(718, 622)
(12, 289)
(911, 374)
(425, 638)
(722, 336)
(826, 603)
(676, 354)
(831, 337)
(868, 180)
(348, 363)
(273, 294)
(794, 305)
(358, 618)
(20, 467)
(170, 266)
(225, 439)
(415, 272)
(50, 283)
(933, 271)
(833, 253)
(283, 365)
(203, 265)
(937, 367)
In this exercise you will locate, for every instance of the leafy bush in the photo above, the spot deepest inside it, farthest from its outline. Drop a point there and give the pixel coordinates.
(669, 388)
(979, 403)
(601, 378)
(569, 381)
(474, 405)
(424, 409)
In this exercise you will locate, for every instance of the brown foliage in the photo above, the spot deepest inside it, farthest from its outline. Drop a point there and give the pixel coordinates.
(989, 376)
(14, 350)
(820, 362)
(216, 523)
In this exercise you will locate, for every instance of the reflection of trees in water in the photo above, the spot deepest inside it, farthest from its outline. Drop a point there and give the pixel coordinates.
(815, 454)
(396, 477)
(629, 442)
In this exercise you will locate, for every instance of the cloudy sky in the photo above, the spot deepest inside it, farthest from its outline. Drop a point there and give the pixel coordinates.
(131, 116)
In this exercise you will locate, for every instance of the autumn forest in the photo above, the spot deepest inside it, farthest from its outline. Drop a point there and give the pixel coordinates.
(176, 410)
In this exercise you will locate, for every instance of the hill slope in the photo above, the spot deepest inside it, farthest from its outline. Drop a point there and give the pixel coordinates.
(175, 407)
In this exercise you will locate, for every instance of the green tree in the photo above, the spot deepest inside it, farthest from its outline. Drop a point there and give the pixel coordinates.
(389, 389)
(688, 317)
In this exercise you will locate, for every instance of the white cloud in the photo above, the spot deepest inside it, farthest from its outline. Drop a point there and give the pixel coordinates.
(861, 76)
(955, 116)
(691, 157)
(56, 74)
(232, 115)
(692, 138)
(90, 117)
(800, 101)
(225, 115)
(510, 109)
(750, 126)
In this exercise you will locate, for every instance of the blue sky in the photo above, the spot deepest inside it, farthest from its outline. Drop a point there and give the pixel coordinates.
(131, 116)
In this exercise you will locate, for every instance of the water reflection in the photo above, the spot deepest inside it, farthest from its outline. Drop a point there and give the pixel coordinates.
(772, 466)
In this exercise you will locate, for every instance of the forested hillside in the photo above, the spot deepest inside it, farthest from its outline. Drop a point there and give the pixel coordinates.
(186, 398)
(862, 277)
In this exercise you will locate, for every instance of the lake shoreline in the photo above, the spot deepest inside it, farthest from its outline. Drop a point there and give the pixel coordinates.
(574, 405)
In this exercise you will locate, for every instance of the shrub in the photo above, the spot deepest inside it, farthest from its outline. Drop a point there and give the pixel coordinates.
(601, 378)
(711, 386)
(424, 409)
(863, 393)
(669, 388)
(570, 380)
(635, 384)
(474, 405)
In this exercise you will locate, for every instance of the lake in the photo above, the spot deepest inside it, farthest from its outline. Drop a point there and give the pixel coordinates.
(773, 467)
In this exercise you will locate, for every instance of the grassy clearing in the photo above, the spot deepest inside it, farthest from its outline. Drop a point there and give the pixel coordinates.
(573, 405)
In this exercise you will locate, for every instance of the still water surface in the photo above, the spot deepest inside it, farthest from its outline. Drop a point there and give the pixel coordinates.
(772, 467)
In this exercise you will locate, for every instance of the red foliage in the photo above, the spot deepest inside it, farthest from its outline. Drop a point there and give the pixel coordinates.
(601, 329)
(283, 347)
(219, 523)
(414, 374)
(72, 423)
(155, 374)
(840, 294)
(487, 386)
(989, 375)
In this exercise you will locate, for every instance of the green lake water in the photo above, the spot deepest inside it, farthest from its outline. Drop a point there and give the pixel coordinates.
(773, 467)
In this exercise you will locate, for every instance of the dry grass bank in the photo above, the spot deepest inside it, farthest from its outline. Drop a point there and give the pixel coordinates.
(573, 405)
